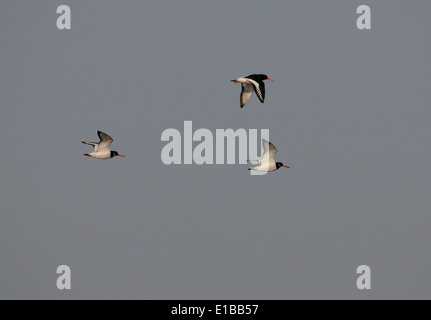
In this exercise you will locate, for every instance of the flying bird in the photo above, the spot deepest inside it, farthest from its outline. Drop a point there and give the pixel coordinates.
(250, 83)
(267, 163)
(102, 150)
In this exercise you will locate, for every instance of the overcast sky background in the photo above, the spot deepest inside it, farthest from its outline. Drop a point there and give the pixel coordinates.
(349, 112)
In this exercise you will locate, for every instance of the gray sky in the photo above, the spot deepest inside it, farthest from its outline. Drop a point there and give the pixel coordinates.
(349, 112)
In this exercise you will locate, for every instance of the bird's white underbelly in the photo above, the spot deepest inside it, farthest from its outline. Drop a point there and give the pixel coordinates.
(101, 155)
(265, 167)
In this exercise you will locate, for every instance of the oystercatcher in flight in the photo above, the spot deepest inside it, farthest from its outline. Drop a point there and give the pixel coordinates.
(102, 150)
(250, 83)
(267, 163)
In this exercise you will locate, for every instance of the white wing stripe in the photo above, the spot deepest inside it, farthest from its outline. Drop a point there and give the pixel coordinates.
(256, 88)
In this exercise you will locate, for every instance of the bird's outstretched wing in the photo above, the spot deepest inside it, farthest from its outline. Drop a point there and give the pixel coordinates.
(269, 153)
(105, 140)
(260, 91)
(246, 92)
(259, 88)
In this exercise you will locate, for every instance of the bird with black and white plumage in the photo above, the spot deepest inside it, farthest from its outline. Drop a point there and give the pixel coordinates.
(253, 82)
(267, 163)
(102, 149)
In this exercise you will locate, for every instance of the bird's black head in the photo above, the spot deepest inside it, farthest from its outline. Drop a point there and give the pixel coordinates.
(280, 164)
(116, 154)
(259, 77)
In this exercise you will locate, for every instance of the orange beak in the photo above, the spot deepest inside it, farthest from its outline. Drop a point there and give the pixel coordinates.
(286, 166)
(270, 80)
(120, 155)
